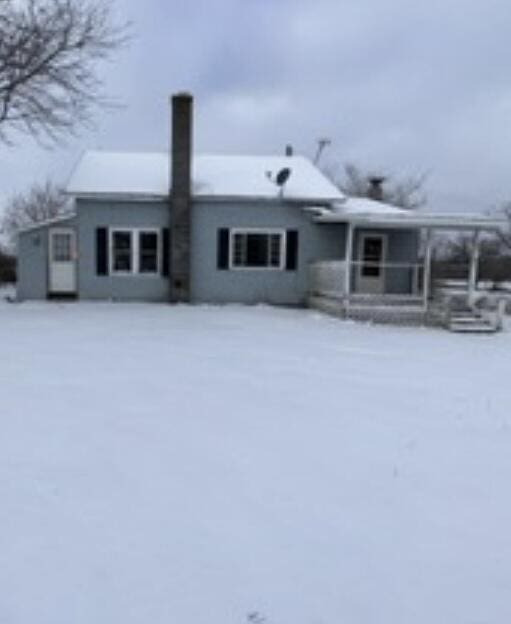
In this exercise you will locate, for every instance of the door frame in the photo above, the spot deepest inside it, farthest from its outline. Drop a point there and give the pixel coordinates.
(74, 259)
(378, 282)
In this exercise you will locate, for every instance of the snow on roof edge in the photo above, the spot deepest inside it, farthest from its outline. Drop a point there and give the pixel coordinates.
(214, 176)
(46, 222)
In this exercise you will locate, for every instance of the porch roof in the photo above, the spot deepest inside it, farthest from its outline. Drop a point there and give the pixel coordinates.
(361, 211)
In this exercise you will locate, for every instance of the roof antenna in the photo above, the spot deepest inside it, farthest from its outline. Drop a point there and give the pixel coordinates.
(323, 142)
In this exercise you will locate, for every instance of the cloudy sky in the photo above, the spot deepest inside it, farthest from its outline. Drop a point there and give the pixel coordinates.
(399, 86)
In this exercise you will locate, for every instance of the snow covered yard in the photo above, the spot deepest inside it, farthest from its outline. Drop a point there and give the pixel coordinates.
(191, 465)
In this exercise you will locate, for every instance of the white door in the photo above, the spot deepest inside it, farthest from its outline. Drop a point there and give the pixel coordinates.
(372, 252)
(62, 269)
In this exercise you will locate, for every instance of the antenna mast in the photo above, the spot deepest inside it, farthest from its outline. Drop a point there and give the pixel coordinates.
(323, 143)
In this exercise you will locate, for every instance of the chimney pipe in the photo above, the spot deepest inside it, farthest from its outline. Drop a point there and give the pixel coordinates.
(289, 150)
(181, 196)
(375, 190)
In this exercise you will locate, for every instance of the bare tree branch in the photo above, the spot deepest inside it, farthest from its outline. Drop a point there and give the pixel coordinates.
(505, 237)
(40, 203)
(48, 55)
(406, 193)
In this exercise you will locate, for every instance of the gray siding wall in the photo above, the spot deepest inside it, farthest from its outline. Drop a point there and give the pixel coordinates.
(402, 247)
(32, 268)
(94, 214)
(209, 284)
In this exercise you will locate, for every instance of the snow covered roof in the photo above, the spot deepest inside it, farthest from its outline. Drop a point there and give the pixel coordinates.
(67, 216)
(363, 205)
(370, 212)
(215, 176)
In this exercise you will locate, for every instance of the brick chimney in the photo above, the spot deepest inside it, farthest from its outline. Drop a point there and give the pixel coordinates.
(181, 196)
(375, 190)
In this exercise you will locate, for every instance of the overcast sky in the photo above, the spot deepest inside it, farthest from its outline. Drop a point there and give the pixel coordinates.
(399, 86)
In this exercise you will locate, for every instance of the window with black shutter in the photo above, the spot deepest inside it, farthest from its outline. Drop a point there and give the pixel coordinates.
(257, 249)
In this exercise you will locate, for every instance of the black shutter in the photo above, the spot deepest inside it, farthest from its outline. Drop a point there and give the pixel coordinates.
(102, 251)
(222, 258)
(292, 250)
(165, 258)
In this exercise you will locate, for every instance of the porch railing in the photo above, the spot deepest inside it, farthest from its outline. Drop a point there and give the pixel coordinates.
(328, 278)
(397, 280)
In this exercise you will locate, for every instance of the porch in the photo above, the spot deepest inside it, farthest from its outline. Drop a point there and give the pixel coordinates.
(336, 287)
(366, 285)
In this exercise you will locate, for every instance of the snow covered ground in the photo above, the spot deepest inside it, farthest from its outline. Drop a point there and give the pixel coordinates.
(191, 465)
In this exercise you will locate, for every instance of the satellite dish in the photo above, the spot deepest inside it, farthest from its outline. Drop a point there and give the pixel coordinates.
(283, 176)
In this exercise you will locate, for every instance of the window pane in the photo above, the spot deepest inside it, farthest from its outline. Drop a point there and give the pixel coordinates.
(372, 256)
(239, 250)
(370, 270)
(275, 250)
(122, 249)
(148, 252)
(257, 250)
(61, 247)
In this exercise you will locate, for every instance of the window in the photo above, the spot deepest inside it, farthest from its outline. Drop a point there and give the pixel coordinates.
(372, 254)
(135, 251)
(148, 252)
(61, 246)
(257, 249)
(122, 251)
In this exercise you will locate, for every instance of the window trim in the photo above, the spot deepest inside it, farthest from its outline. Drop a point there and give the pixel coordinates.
(258, 230)
(135, 251)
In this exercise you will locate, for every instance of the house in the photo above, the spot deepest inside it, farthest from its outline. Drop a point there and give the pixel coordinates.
(182, 227)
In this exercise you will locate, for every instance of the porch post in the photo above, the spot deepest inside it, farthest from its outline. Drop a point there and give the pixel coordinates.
(474, 265)
(349, 257)
(427, 269)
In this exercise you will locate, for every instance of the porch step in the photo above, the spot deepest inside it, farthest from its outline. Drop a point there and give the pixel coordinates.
(406, 314)
(387, 301)
(402, 314)
(471, 323)
(466, 318)
(473, 328)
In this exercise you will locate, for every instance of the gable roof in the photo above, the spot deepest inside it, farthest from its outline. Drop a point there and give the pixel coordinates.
(214, 176)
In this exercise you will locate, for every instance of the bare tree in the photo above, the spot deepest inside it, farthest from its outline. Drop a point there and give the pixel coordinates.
(406, 193)
(41, 203)
(505, 237)
(48, 55)
(453, 254)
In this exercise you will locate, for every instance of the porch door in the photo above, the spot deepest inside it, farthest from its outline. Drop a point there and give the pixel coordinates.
(62, 261)
(372, 252)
